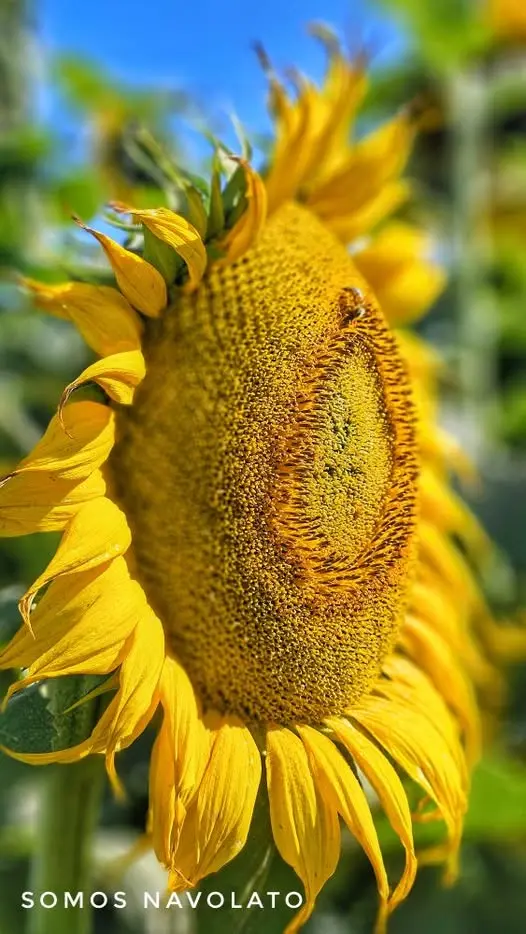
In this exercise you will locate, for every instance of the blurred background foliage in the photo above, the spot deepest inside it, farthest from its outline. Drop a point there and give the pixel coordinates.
(464, 65)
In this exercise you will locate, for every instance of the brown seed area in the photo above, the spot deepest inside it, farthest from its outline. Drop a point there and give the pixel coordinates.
(268, 472)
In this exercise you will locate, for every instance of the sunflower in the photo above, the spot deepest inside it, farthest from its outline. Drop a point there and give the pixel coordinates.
(258, 535)
(507, 19)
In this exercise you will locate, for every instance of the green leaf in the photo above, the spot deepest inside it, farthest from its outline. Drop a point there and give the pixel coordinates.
(22, 152)
(84, 82)
(9, 613)
(28, 554)
(27, 724)
(497, 808)
(40, 719)
(511, 416)
(79, 193)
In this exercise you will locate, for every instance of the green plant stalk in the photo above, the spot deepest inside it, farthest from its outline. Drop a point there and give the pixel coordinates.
(69, 809)
(19, 203)
(470, 112)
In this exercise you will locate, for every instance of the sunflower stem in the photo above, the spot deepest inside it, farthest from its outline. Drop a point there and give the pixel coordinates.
(470, 117)
(69, 812)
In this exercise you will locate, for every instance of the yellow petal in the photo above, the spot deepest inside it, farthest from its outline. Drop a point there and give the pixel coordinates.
(355, 222)
(218, 819)
(420, 749)
(507, 20)
(139, 281)
(164, 820)
(138, 696)
(305, 828)
(411, 291)
(344, 88)
(183, 721)
(448, 512)
(70, 627)
(385, 781)
(342, 791)
(75, 448)
(411, 690)
(41, 502)
(246, 231)
(290, 158)
(177, 232)
(373, 162)
(423, 360)
(63, 756)
(408, 684)
(437, 608)
(96, 534)
(441, 612)
(398, 267)
(312, 132)
(397, 244)
(505, 641)
(434, 655)
(118, 375)
(180, 755)
(440, 449)
(437, 551)
(105, 319)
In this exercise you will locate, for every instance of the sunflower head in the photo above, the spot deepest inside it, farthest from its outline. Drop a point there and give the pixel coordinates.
(268, 471)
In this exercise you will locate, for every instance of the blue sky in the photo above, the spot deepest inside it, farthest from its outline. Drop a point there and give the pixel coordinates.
(205, 45)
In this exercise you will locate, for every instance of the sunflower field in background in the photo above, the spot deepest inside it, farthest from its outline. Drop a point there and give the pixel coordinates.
(263, 491)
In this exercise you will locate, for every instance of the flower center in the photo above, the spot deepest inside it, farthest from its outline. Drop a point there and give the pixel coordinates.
(267, 470)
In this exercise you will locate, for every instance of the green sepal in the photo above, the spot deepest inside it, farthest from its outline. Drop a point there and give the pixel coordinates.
(196, 181)
(216, 213)
(214, 251)
(129, 227)
(195, 210)
(234, 200)
(162, 256)
(234, 187)
(246, 146)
